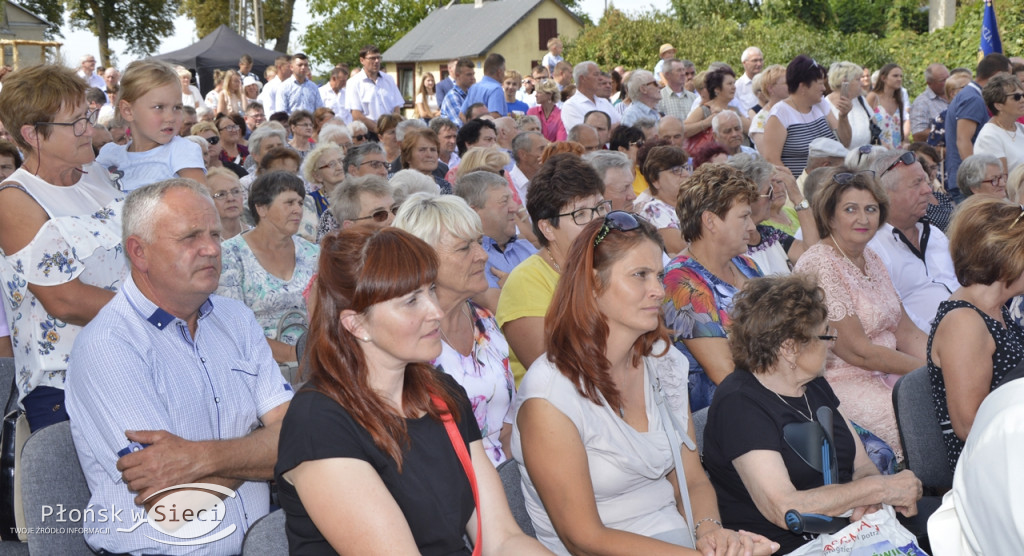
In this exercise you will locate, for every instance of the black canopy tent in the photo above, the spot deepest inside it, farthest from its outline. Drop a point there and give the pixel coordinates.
(220, 49)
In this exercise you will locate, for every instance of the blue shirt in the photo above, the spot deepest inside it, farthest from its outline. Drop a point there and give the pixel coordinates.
(517, 106)
(443, 86)
(292, 96)
(452, 105)
(514, 252)
(136, 367)
(967, 104)
(638, 111)
(489, 92)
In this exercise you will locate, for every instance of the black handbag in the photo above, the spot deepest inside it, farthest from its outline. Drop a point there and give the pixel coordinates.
(876, 132)
(8, 460)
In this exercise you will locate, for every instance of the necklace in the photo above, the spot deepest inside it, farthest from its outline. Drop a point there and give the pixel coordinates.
(1012, 134)
(551, 257)
(836, 243)
(809, 412)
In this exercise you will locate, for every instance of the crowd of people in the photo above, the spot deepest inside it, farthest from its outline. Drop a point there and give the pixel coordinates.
(372, 306)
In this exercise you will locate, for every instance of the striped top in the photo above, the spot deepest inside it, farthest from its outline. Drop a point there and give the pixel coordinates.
(801, 129)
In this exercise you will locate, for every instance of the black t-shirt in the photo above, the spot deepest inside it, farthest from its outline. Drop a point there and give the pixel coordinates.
(746, 416)
(432, 490)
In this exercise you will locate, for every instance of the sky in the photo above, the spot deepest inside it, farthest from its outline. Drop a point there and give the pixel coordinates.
(77, 43)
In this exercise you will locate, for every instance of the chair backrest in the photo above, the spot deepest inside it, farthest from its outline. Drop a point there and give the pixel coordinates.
(700, 420)
(52, 476)
(508, 470)
(7, 380)
(923, 448)
(266, 537)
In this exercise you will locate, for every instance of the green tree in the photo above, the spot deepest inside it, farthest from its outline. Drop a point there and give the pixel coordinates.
(140, 23)
(699, 12)
(210, 14)
(340, 27)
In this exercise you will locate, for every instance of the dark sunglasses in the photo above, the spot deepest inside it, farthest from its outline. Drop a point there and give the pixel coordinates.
(213, 140)
(843, 178)
(359, 137)
(906, 158)
(616, 220)
(379, 216)
(1015, 96)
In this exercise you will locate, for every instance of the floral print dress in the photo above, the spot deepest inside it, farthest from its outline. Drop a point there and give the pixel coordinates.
(891, 126)
(487, 378)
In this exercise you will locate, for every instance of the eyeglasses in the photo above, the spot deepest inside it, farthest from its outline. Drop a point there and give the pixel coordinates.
(770, 194)
(584, 216)
(906, 158)
(680, 171)
(844, 178)
(689, 73)
(616, 220)
(231, 127)
(359, 137)
(79, 125)
(333, 165)
(380, 215)
(303, 124)
(213, 140)
(236, 192)
(831, 338)
(375, 164)
(373, 58)
(637, 144)
(995, 181)
(863, 150)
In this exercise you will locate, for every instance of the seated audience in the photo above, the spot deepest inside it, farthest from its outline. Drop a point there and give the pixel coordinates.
(616, 172)
(406, 182)
(323, 170)
(231, 137)
(940, 212)
(593, 412)
(779, 340)
(364, 201)
(1004, 96)
(473, 350)
(366, 437)
(714, 217)
(974, 342)
(227, 196)
(419, 150)
(982, 174)
(300, 124)
(666, 171)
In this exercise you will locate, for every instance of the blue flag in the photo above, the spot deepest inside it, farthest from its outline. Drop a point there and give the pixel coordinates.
(990, 41)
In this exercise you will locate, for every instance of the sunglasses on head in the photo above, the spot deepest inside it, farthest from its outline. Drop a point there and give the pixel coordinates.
(843, 178)
(379, 216)
(616, 220)
(906, 158)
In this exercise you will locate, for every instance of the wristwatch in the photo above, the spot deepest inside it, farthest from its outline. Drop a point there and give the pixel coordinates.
(802, 205)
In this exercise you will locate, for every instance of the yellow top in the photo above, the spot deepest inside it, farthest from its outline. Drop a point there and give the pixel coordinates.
(527, 293)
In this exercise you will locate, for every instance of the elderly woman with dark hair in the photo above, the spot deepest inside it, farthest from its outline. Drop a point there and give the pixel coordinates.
(878, 341)
(982, 174)
(721, 89)
(300, 124)
(803, 117)
(268, 267)
(1003, 134)
(666, 171)
(602, 417)
(61, 258)
(779, 341)
(715, 217)
(387, 130)
(974, 341)
(420, 147)
(565, 195)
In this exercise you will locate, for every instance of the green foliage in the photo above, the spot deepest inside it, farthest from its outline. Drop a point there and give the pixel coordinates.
(341, 27)
(859, 35)
(140, 23)
(816, 13)
(210, 14)
(698, 12)
(50, 10)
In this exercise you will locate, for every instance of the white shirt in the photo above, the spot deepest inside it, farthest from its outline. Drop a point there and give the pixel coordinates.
(268, 96)
(520, 182)
(93, 80)
(1000, 143)
(574, 109)
(336, 102)
(922, 285)
(373, 98)
(745, 93)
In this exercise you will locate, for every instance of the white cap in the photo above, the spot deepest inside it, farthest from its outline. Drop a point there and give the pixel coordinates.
(823, 147)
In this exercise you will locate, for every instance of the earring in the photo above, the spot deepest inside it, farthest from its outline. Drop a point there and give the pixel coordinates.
(792, 366)
(366, 338)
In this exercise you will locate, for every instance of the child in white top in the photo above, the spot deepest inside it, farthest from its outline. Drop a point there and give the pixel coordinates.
(150, 103)
(553, 56)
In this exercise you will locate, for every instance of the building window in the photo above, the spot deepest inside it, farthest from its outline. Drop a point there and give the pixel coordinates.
(407, 82)
(546, 29)
(442, 70)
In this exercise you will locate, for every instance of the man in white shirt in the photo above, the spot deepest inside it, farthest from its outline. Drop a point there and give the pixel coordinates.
(87, 71)
(728, 132)
(526, 150)
(333, 93)
(753, 61)
(587, 76)
(372, 93)
(915, 253)
(268, 96)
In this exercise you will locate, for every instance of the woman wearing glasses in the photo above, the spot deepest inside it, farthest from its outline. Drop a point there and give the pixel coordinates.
(230, 136)
(268, 267)
(1003, 135)
(565, 196)
(227, 194)
(665, 170)
(60, 232)
(602, 416)
(982, 174)
(323, 169)
(715, 218)
(877, 340)
(974, 341)
(779, 338)
(300, 123)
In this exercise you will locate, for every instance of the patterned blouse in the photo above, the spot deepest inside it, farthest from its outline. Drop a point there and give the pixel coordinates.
(487, 378)
(697, 305)
(660, 214)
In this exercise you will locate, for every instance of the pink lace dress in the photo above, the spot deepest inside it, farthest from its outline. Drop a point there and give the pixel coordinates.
(865, 396)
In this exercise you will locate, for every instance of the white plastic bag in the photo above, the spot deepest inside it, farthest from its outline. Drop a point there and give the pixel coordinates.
(877, 534)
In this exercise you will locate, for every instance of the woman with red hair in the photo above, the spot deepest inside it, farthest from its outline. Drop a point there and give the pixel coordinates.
(601, 413)
(365, 462)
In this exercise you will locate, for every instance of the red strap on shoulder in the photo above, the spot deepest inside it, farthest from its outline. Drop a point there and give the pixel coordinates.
(467, 465)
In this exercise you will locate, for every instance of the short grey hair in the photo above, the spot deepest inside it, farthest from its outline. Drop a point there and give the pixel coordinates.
(751, 50)
(427, 216)
(754, 168)
(344, 199)
(141, 207)
(330, 132)
(203, 111)
(843, 71)
(602, 161)
(928, 70)
(357, 128)
(474, 187)
(581, 69)
(312, 161)
(574, 133)
(638, 78)
(264, 131)
(406, 125)
(717, 122)
(440, 122)
(972, 171)
(881, 162)
(406, 182)
(688, 64)
(523, 121)
(355, 155)
(859, 162)
(522, 142)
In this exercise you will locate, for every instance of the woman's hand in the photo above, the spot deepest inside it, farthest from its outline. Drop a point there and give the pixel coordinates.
(726, 541)
(843, 105)
(902, 491)
(862, 511)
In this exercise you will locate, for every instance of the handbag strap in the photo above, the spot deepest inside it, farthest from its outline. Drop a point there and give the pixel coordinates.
(467, 464)
(676, 438)
(860, 100)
